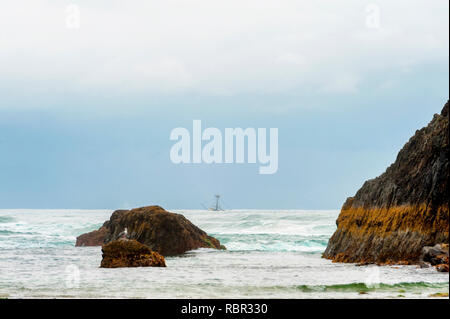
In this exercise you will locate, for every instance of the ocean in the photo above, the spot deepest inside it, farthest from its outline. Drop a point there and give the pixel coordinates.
(270, 254)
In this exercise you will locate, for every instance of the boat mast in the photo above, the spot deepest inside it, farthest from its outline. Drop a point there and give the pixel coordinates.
(217, 202)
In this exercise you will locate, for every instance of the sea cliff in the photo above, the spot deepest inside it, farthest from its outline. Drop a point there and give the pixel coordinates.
(392, 217)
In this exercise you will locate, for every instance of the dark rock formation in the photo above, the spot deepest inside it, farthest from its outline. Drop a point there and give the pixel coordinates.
(162, 231)
(93, 238)
(392, 217)
(97, 237)
(436, 256)
(129, 253)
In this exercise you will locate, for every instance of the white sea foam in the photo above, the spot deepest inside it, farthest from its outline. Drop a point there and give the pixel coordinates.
(271, 254)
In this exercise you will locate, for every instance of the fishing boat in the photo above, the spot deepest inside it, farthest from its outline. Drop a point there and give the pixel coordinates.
(215, 207)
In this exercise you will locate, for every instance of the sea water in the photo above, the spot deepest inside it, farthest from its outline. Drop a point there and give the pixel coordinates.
(270, 254)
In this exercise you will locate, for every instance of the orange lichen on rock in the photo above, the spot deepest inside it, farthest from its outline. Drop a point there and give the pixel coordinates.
(442, 267)
(393, 235)
(129, 253)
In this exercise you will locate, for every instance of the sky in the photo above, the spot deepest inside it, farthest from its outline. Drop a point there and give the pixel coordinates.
(90, 91)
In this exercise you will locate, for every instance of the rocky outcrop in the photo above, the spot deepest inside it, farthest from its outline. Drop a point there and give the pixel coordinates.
(436, 256)
(162, 231)
(93, 238)
(392, 217)
(97, 237)
(129, 253)
(442, 267)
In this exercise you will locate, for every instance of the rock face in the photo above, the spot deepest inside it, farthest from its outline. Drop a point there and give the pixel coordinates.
(392, 217)
(162, 231)
(129, 253)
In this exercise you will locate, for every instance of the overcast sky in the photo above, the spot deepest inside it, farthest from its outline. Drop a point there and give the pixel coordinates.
(90, 91)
